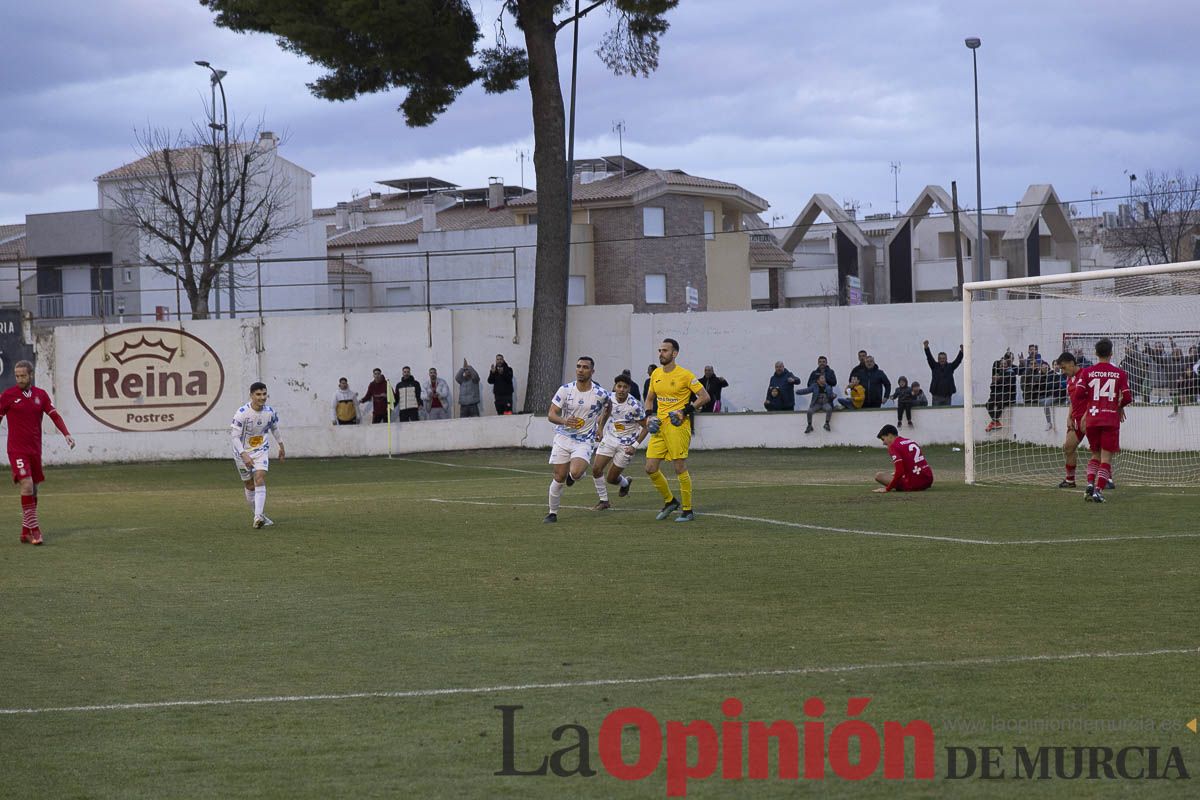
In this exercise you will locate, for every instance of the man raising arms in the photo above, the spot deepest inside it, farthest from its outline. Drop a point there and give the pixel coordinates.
(252, 449)
(671, 387)
(579, 410)
(24, 405)
(1105, 387)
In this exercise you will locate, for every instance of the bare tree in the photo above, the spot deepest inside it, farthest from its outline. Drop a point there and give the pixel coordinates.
(200, 204)
(1165, 221)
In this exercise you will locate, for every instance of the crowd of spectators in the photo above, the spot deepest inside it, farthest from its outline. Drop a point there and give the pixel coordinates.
(410, 400)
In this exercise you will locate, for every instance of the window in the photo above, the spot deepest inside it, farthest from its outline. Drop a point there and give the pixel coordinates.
(652, 222)
(399, 297)
(710, 224)
(656, 288)
(576, 290)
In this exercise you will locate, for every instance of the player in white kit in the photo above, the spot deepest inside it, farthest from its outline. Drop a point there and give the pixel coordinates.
(253, 425)
(578, 411)
(625, 430)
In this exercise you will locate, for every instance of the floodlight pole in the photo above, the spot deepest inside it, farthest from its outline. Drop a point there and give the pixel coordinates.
(973, 43)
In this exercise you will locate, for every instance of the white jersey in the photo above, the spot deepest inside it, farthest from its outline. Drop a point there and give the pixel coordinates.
(585, 406)
(624, 420)
(250, 428)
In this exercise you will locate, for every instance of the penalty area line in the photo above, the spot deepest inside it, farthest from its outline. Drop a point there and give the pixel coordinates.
(988, 661)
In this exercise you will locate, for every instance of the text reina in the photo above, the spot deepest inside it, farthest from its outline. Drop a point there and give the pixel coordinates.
(735, 750)
(110, 384)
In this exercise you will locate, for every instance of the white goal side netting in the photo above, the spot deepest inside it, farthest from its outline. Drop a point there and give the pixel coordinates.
(1016, 420)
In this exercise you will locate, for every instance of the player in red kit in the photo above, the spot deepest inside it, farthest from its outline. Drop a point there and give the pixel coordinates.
(1076, 391)
(912, 472)
(24, 405)
(1105, 387)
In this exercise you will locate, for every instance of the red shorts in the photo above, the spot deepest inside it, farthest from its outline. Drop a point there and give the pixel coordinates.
(26, 466)
(915, 483)
(1074, 427)
(1103, 439)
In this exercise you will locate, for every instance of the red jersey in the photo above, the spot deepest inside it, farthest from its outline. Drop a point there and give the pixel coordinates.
(1106, 392)
(1077, 391)
(911, 466)
(24, 411)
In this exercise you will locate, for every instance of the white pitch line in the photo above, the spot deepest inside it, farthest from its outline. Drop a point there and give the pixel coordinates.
(858, 532)
(470, 466)
(525, 687)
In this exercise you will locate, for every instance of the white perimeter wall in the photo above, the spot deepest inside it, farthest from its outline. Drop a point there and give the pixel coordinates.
(301, 358)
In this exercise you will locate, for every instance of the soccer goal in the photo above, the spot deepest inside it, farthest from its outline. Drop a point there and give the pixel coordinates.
(1015, 398)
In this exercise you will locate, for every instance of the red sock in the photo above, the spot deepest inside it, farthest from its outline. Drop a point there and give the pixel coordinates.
(29, 512)
(1093, 467)
(1103, 476)
(1071, 472)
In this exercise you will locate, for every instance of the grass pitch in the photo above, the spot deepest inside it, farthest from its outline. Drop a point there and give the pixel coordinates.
(412, 576)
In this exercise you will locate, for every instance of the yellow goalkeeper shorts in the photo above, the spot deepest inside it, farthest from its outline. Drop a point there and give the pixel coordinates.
(670, 442)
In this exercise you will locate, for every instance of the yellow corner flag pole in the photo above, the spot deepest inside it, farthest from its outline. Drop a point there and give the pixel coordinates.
(391, 401)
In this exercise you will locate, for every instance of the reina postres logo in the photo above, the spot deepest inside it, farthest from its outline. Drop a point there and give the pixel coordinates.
(149, 379)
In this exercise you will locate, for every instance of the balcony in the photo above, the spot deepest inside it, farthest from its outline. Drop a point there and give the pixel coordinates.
(72, 305)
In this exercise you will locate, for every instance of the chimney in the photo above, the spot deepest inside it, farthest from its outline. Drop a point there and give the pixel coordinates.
(495, 193)
(428, 214)
(343, 215)
(357, 221)
(268, 140)
(374, 201)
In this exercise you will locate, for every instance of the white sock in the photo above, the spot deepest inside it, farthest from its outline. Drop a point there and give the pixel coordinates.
(624, 481)
(556, 490)
(601, 488)
(260, 500)
(249, 496)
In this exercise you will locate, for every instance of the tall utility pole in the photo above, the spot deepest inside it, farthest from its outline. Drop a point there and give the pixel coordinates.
(223, 169)
(973, 43)
(896, 187)
(521, 157)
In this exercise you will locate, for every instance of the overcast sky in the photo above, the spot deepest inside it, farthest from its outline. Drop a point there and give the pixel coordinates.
(784, 97)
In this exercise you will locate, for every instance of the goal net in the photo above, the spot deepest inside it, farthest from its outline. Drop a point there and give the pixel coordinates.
(1016, 410)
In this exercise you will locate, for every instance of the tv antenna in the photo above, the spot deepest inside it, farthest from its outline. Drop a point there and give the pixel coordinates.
(521, 157)
(619, 129)
(896, 186)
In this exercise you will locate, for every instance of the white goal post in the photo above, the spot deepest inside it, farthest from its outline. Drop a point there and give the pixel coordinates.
(1015, 412)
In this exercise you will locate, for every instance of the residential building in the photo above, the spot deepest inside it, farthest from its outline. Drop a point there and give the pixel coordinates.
(912, 257)
(93, 263)
(642, 237)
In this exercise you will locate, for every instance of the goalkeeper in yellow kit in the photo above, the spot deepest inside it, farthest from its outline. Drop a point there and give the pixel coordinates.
(672, 386)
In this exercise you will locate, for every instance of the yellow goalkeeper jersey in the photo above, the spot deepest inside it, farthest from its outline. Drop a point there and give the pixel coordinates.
(673, 389)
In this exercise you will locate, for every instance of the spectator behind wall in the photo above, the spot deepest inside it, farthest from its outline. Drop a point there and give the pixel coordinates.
(713, 384)
(500, 376)
(468, 390)
(436, 396)
(856, 395)
(377, 395)
(783, 380)
(408, 397)
(345, 404)
(941, 380)
(876, 383)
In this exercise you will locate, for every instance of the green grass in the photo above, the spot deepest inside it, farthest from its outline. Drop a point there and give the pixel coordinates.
(153, 587)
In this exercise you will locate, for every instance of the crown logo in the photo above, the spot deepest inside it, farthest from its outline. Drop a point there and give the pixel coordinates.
(155, 350)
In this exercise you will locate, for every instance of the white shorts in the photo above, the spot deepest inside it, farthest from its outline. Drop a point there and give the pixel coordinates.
(613, 449)
(261, 462)
(566, 449)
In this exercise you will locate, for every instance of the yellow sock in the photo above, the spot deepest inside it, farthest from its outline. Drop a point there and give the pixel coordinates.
(660, 482)
(685, 489)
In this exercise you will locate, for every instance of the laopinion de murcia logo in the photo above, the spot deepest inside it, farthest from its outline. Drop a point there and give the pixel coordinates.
(149, 379)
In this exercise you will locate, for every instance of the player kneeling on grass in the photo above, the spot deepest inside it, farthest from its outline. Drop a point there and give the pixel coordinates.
(912, 472)
(252, 448)
(625, 430)
(578, 410)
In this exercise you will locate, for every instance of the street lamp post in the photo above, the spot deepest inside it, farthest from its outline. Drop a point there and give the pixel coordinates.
(973, 43)
(215, 83)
